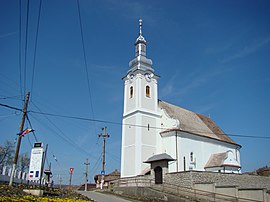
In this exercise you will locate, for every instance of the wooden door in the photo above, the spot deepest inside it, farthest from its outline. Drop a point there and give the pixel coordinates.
(158, 175)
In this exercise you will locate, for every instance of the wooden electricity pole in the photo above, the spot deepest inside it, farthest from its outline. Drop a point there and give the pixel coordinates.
(86, 174)
(19, 138)
(104, 135)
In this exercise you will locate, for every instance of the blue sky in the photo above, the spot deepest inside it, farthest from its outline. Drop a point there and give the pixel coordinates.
(212, 56)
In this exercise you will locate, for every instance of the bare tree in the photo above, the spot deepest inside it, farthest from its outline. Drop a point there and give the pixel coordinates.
(6, 153)
(24, 162)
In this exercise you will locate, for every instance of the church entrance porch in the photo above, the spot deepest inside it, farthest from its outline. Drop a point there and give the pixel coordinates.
(158, 175)
(159, 166)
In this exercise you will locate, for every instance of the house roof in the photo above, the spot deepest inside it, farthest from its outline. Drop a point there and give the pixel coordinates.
(111, 176)
(159, 157)
(194, 123)
(217, 160)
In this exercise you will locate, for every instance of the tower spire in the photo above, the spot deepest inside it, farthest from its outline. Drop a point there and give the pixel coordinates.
(140, 43)
(140, 38)
(140, 61)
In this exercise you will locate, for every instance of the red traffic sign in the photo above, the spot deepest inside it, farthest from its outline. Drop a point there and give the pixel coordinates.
(71, 170)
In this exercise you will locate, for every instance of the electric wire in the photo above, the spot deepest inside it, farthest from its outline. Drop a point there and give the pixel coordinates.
(27, 117)
(113, 156)
(35, 49)
(10, 107)
(78, 179)
(10, 97)
(30, 143)
(2, 117)
(26, 44)
(20, 45)
(62, 171)
(95, 167)
(8, 85)
(130, 125)
(57, 162)
(141, 126)
(64, 137)
(28, 136)
(74, 146)
(85, 61)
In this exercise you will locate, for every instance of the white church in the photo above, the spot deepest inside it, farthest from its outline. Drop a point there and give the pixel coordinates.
(155, 129)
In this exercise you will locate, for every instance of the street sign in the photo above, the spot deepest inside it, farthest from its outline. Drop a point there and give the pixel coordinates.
(71, 170)
(102, 172)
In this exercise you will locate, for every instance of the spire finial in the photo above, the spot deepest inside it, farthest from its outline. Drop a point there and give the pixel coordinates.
(140, 25)
(140, 38)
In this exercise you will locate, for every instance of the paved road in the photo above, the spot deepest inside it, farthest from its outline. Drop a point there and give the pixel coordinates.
(102, 197)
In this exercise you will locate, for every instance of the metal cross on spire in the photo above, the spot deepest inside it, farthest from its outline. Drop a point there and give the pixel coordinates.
(140, 25)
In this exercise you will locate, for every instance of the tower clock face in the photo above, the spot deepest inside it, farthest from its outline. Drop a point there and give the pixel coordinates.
(147, 77)
(131, 77)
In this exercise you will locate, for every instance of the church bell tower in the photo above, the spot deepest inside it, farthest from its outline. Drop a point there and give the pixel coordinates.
(141, 115)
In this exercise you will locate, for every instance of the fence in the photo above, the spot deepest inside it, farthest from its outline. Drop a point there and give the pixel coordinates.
(176, 190)
(5, 173)
(19, 177)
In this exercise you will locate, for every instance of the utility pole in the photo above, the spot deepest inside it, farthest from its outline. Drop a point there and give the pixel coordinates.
(19, 138)
(104, 135)
(86, 174)
(70, 176)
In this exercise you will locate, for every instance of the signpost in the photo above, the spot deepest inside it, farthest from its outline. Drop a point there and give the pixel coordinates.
(102, 179)
(70, 172)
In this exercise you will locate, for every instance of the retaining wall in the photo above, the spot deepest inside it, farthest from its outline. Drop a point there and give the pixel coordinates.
(191, 178)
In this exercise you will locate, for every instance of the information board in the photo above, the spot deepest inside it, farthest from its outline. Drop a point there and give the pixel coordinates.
(35, 164)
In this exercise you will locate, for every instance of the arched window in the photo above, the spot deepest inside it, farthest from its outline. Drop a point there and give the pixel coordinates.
(143, 48)
(147, 91)
(131, 92)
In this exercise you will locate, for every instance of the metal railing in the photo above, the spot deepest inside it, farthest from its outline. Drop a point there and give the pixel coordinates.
(178, 190)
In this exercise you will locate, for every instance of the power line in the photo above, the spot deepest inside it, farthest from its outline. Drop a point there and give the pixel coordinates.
(114, 157)
(95, 167)
(35, 50)
(63, 136)
(75, 117)
(85, 60)
(3, 117)
(27, 117)
(26, 44)
(60, 166)
(10, 107)
(131, 125)
(9, 85)
(30, 143)
(9, 97)
(142, 126)
(20, 45)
